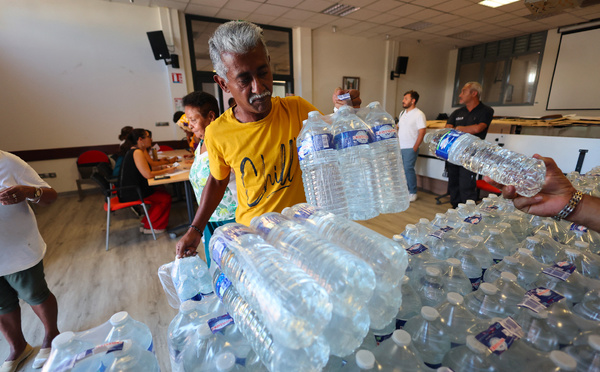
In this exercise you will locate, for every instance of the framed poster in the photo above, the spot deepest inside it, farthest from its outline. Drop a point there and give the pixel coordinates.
(351, 82)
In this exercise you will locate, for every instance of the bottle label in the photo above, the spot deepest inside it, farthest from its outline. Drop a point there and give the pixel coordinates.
(305, 212)
(492, 209)
(268, 222)
(500, 335)
(107, 348)
(561, 270)
(445, 144)
(380, 338)
(353, 138)
(416, 249)
(440, 233)
(318, 142)
(540, 298)
(400, 323)
(221, 285)
(217, 250)
(383, 132)
(220, 322)
(578, 228)
(474, 219)
(475, 282)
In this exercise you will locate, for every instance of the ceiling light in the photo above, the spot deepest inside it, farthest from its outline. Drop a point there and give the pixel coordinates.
(496, 3)
(340, 10)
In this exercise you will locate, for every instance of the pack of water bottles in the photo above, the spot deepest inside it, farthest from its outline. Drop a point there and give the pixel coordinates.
(185, 279)
(121, 344)
(352, 164)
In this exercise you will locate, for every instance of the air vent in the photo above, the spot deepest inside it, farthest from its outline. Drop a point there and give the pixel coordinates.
(340, 10)
(417, 26)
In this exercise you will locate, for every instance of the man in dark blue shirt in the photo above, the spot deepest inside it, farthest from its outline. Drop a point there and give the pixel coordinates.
(473, 118)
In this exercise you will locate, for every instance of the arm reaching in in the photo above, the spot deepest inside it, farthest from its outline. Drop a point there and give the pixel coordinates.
(211, 197)
(354, 96)
(555, 194)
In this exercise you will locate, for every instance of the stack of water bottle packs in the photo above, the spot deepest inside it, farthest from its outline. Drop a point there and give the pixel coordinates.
(352, 164)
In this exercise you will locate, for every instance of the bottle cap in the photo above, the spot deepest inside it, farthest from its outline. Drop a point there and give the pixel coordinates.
(572, 252)
(424, 221)
(470, 202)
(492, 196)
(204, 331)
(563, 360)
(542, 314)
(62, 339)
(507, 275)
(533, 239)
(429, 313)
(524, 252)
(510, 260)
(546, 222)
(225, 361)
(488, 289)
(512, 217)
(478, 239)
(461, 205)
(469, 245)
(453, 262)
(581, 245)
(314, 114)
(432, 271)
(365, 359)
(401, 337)
(405, 280)
(439, 215)
(451, 211)
(543, 233)
(504, 225)
(119, 318)
(494, 231)
(455, 298)
(187, 307)
(410, 226)
(475, 346)
(594, 342)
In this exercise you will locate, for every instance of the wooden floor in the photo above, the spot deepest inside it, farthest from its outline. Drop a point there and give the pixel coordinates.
(92, 284)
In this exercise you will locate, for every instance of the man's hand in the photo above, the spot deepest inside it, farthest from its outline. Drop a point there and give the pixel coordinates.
(555, 194)
(187, 245)
(354, 96)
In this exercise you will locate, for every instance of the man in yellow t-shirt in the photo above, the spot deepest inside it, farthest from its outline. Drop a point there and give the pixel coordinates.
(256, 138)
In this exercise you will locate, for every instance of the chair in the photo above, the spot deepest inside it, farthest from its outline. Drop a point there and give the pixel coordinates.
(165, 148)
(113, 203)
(85, 165)
(482, 185)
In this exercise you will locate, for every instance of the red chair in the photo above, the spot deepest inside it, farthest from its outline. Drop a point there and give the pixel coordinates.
(165, 148)
(85, 165)
(113, 204)
(482, 185)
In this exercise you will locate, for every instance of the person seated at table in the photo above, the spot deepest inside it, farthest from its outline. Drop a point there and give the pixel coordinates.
(135, 171)
(201, 109)
(157, 162)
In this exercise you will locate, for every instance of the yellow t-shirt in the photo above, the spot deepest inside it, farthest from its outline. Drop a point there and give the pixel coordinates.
(263, 156)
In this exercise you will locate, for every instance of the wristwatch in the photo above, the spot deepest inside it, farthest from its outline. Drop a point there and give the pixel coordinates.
(37, 195)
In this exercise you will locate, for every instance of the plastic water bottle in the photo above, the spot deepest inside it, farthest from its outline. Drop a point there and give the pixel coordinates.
(424, 228)
(428, 336)
(274, 355)
(543, 253)
(529, 270)
(453, 219)
(293, 306)
(398, 354)
(411, 304)
(497, 246)
(551, 247)
(470, 264)
(573, 288)
(456, 319)
(439, 221)
(581, 246)
(431, 289)
(503, 166)
(537, 332)
(411, 235)
(559, 361)
(455, 280)
(587, 264)
(133, 358)
(419, 259)
(474, 356)
(124, 327)
(553, 228)
(511, 293)
(589, 307)
(65, 347)
(564, 323)
(387, 258)
(191, 278)
(586, 356)
(481, 253)
(508, 264)
(352, 139)
(510, 240)
(392, 191)
(485, 302)
(180, 331)
(517, 226)
(321, 174)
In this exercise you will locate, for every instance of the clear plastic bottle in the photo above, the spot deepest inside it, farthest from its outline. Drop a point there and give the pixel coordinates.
(470, 264)
(428, 336)
(541, 252)
(485, 302)
(321, 173)
(503, 166)
(180, 332)
(511, 293)
(198, 354)
(588, 264)
(509, 264)
(424, 228)
(454, 278)
(419, 259)
(554, 229)
(563, 322)
(510, 240)
(453, 219)
(392, 191)
(439, 221)
(352, 139)
(537, 332)
(411, 304)
(387, 259)
(65, 347)
(481, 253)
(133, 358)
(551, 247)
(589, 307)
(497, 246)
(518, 226)
(124, 327)
(559, 361)
(411, 234)
(586, 356)
(530, 268)
(431, 288)
(397, 354)
(573, 288)
(456, 319)
(274, 355)
(293, 306)
(225, 362)
(472, 357)
(191, 278)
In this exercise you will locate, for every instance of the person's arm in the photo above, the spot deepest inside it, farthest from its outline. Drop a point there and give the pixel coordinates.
(354, 96)
(19, 193)
(472, 129)
(420, 137)
(160, 163)
(554, 196)
(209, 201)
(144, 168)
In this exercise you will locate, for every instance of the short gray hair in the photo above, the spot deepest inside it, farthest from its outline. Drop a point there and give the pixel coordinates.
(473, 85)
(235, 37)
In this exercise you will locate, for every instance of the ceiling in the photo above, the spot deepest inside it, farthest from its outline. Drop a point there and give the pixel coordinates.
(437, 23)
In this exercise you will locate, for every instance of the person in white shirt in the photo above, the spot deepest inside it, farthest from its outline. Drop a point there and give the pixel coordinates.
(411, 130)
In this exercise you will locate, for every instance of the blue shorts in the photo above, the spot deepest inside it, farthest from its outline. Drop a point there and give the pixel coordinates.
(29, 285)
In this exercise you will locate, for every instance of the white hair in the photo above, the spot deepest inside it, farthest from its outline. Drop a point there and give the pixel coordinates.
(475, 86)
(235, 37)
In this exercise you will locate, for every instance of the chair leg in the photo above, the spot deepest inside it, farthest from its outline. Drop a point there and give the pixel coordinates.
(149, 222)
(107, 223)
(79, 191)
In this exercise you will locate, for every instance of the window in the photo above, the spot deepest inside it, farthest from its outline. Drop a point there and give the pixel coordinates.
(508, 70)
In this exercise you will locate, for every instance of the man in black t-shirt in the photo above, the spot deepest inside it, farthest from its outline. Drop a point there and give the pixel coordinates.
(473, 118)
